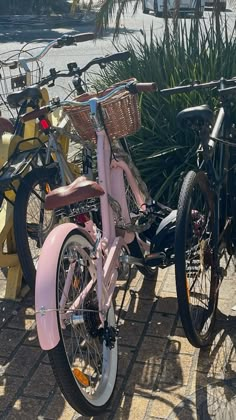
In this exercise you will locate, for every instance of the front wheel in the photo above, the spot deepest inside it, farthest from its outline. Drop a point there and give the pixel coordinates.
(196, 269)
(83, 362)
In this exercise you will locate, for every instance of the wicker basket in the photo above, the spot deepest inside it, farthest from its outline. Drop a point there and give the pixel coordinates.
(14, 79)
(120, 112)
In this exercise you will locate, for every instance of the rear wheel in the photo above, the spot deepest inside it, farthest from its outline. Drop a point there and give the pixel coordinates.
(32, 222)
(85, 360)
(195, 267)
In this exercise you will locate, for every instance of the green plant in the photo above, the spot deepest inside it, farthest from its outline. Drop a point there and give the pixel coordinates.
(162, 152)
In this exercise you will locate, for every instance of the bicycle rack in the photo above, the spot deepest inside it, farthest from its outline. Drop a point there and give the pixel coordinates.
(8, 254)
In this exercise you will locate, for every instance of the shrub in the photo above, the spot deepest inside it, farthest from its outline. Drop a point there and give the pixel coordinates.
(192, 52)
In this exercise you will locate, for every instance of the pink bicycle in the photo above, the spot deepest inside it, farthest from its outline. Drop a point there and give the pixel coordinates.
(78, 266)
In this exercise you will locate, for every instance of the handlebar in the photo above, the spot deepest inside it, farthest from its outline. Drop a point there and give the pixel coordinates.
(220, 84)
(119, 56)
(15, 99)
(74, 70)
(65, 40)
(133, 87)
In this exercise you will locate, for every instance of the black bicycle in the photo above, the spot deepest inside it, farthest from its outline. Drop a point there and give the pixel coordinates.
(205, 236)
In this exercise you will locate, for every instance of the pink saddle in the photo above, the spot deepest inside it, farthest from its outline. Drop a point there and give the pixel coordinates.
(79, 190)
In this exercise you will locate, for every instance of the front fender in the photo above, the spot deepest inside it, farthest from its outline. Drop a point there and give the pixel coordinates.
(45, 288)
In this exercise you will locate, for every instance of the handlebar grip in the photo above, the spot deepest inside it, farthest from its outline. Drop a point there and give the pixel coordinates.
(87, 36)
(67, 40)
(120, 56)
(36, 113)
(146, 87)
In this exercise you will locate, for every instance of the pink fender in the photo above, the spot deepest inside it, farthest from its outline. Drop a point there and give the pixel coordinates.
(45, 288)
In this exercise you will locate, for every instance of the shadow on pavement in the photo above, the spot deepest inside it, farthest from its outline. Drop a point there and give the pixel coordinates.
(160, 374)
(216, 373)
(26, 33)
(146, 371)
(26, 380)
(214, 377)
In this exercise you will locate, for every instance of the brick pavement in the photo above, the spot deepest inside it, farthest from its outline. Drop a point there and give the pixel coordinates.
(161, 376)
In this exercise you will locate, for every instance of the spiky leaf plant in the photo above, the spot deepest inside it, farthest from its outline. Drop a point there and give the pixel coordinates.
(163, 152)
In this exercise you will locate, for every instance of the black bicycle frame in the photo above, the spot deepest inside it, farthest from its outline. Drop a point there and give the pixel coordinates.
(216, 164)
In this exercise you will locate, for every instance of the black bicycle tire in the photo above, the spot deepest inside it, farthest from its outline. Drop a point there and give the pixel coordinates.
(180, 270)
(62, 371)
(19, 220)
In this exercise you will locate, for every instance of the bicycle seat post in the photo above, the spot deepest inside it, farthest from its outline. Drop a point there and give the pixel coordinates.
(204, 133)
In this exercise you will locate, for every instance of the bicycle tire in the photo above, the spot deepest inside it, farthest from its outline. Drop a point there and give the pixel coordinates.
(27, 233)
(194, 264)
(95, 361)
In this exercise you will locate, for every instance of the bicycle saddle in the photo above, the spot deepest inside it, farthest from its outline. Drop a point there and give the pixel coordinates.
(201, 113)
(6, 126)
(79, 190)
(17, 98)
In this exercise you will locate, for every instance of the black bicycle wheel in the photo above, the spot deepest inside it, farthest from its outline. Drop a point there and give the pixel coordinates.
(32, 222)
(195, 268)
(84, 361)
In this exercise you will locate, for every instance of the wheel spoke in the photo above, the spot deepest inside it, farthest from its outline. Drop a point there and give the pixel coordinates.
(92, 363)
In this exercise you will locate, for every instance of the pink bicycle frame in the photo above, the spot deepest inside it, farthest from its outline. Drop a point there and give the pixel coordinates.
(110, 173)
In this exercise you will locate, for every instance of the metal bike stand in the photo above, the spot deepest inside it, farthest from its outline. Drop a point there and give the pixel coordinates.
(8, 254)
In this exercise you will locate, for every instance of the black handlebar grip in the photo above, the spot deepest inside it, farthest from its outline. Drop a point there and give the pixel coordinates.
(87, 36)
(120, 56)
(67, 40)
